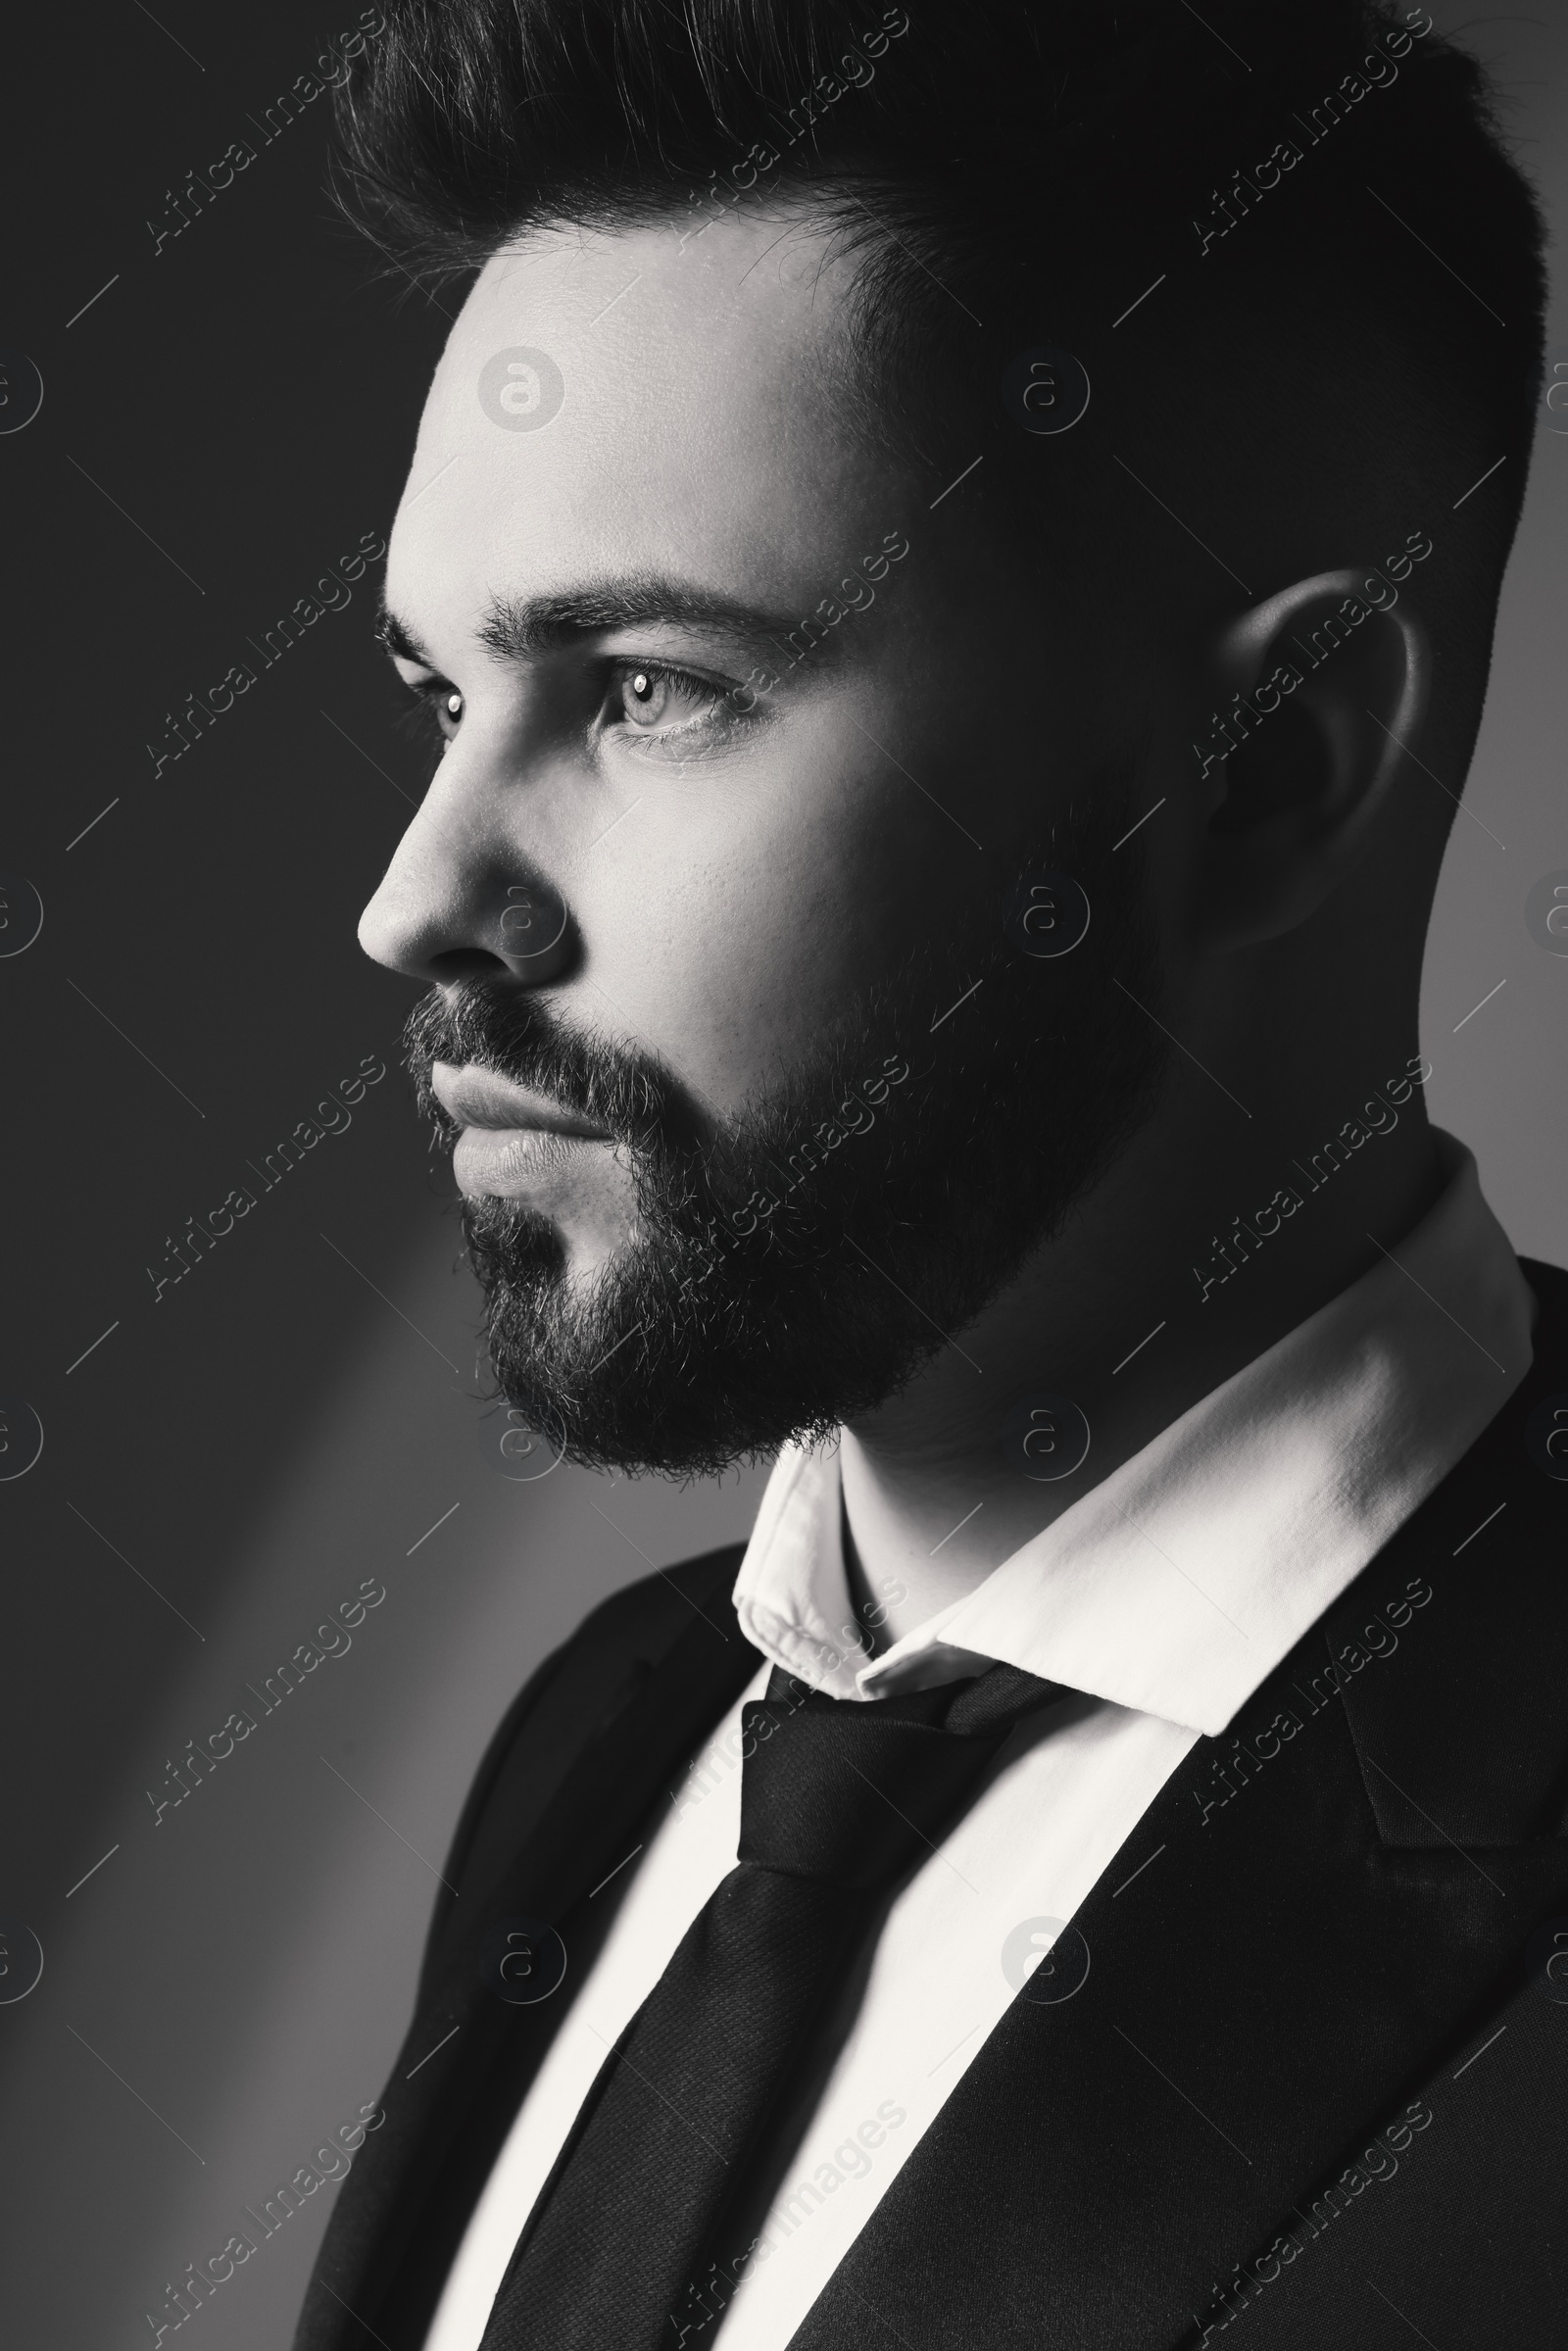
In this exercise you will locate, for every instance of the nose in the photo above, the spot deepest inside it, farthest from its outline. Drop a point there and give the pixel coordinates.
(461, 902)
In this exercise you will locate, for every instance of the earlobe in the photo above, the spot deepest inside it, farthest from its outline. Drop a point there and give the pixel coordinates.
(1316, 694)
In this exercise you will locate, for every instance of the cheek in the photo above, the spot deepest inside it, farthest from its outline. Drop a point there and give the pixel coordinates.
(747, 911)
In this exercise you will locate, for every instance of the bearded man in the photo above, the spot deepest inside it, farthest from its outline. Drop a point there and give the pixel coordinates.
(953, 554)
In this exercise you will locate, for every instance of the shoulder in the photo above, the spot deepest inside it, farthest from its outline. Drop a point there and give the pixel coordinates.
(1451, 1651)
(580, 1684)
(573, 1696)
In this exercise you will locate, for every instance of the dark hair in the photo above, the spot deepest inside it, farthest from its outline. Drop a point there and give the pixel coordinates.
(1352, 264)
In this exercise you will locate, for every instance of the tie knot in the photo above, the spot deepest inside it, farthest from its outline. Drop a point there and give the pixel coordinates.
(852, 1791)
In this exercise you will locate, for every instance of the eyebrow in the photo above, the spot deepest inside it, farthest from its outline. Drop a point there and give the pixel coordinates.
(516, 628)
(391, 633)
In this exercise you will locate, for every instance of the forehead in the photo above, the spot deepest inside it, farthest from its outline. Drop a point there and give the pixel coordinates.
(623, 402)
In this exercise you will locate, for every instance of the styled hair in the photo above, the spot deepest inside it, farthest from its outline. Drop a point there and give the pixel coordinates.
(1284, 238)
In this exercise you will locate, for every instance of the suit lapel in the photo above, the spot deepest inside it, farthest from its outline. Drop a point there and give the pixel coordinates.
(1277, 1979)
(469, 2056)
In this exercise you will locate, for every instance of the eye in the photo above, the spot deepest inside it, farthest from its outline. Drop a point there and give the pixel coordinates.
(653, 699)
(434, 698)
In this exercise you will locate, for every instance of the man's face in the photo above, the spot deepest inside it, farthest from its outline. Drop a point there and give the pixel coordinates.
(694, 879)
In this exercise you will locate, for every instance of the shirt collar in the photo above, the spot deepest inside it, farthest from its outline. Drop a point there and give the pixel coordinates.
(1178, 1582)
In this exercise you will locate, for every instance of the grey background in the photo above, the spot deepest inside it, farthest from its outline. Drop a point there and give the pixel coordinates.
(229, 1986)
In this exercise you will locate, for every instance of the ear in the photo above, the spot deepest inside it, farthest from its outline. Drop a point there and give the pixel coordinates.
(1317, 693)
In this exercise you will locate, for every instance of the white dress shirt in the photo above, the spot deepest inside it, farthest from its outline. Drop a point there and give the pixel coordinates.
(1166, 1595)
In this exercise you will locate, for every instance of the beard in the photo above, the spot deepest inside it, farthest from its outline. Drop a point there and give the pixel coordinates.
(793, 1266)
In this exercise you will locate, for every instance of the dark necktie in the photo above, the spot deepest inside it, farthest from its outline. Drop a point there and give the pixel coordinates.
(838, 1798)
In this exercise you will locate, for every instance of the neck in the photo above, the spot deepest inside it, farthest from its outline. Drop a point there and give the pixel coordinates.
(1114, 1316)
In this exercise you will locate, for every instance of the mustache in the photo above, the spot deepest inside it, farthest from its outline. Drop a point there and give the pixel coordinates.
(618, 1087)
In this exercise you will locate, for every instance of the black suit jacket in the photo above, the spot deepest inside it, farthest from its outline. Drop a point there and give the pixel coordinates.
(1314, 2087)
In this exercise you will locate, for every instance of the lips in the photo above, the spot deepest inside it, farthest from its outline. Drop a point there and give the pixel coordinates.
(477, 1098)
(514, 1140)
